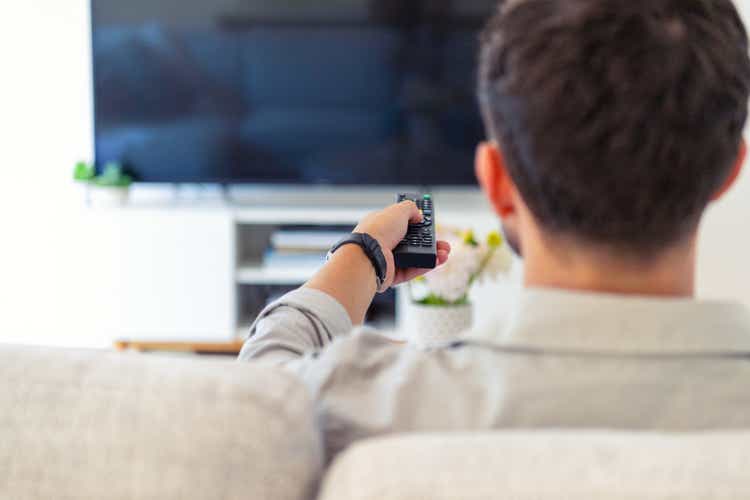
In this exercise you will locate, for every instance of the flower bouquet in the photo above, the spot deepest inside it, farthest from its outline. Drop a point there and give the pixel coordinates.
(440, 300)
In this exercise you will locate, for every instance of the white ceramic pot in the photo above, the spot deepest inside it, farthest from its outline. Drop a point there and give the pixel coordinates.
(439, 324)
(108, 196)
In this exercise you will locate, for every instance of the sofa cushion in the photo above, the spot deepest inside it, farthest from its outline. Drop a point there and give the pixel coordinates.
(544, 465)
(93, 425)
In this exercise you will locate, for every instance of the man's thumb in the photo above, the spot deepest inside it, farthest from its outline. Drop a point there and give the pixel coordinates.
(411, 210)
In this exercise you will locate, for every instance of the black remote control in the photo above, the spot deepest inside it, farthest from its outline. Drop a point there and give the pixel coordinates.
(419, 247)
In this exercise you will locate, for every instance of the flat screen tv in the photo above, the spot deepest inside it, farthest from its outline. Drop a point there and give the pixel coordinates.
(353, 92)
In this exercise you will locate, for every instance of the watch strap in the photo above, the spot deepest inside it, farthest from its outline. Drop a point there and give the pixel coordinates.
(372, 250)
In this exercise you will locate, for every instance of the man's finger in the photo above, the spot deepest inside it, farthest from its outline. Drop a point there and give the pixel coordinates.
(412, 211)
(442, 256)
(443, 252)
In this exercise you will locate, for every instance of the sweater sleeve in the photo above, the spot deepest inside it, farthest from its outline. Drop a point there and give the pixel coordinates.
(301, 323)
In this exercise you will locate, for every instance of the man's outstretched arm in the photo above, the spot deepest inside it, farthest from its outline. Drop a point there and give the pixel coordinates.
(337, 297)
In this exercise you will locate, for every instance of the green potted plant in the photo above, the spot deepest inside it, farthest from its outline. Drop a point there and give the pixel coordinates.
(83, 174)
(111, 187)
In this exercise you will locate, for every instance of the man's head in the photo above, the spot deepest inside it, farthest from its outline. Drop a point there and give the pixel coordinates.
(613, 123)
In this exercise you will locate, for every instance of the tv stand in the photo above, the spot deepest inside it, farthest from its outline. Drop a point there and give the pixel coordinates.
(308, 197)
(192, 270)
(341, 197)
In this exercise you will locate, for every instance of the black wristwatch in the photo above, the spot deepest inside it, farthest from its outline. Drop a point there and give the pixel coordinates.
(372, 249)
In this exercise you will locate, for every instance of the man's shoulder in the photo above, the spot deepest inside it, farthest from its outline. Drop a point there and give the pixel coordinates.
(367, 354)
(368, 348)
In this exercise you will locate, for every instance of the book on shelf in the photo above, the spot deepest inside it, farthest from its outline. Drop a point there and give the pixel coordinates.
(304, 241)
(293, 259)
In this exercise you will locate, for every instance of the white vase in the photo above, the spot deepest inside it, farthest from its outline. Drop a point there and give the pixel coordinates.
(108, 197)
(432, 325)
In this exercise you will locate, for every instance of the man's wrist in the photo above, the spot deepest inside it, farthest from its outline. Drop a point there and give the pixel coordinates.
(354, 259)
(350, 278)
(373, 250)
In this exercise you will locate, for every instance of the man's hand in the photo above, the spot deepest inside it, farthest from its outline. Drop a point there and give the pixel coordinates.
(349, 276)
(389, 227)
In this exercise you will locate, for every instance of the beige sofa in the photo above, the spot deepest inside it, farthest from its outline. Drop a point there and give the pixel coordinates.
(91, 425)
(97, 426)
(544, 466)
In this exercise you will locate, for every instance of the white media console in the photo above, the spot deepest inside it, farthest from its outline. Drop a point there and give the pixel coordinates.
(184, 267)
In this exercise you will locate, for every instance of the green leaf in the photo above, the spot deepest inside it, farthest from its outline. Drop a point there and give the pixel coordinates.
(434, 300)
(113, 176)
(84, 172)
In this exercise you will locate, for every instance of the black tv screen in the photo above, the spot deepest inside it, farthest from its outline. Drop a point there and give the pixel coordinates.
(355, 92)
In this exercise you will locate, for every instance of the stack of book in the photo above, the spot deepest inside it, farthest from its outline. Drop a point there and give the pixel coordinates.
(299, 250)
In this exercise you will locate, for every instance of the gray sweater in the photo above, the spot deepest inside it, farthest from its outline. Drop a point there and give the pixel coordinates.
(560, 360)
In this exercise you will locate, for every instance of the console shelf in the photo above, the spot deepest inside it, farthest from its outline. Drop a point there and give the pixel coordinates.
(258, 274)
(299, 216)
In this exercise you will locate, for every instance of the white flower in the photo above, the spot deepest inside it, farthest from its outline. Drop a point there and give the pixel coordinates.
(468, 263)
(501, 262)
(451, 281)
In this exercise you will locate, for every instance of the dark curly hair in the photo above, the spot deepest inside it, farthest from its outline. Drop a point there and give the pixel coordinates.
(618, 119)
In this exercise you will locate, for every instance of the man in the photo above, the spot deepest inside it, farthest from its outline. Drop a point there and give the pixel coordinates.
(613, 125)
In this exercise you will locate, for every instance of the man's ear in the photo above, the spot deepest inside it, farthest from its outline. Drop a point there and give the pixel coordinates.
(494, 179)
(734, 174)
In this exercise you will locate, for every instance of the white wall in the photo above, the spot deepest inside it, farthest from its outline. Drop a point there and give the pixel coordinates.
(45, 127)
(725, 237)
(50, 288)
(723, 271)
(46, 98)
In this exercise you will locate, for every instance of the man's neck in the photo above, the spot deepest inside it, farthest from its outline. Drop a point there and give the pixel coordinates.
(565, 266)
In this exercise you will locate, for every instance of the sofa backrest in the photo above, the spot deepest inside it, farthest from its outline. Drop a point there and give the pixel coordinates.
(95, 425)
(544, 466)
